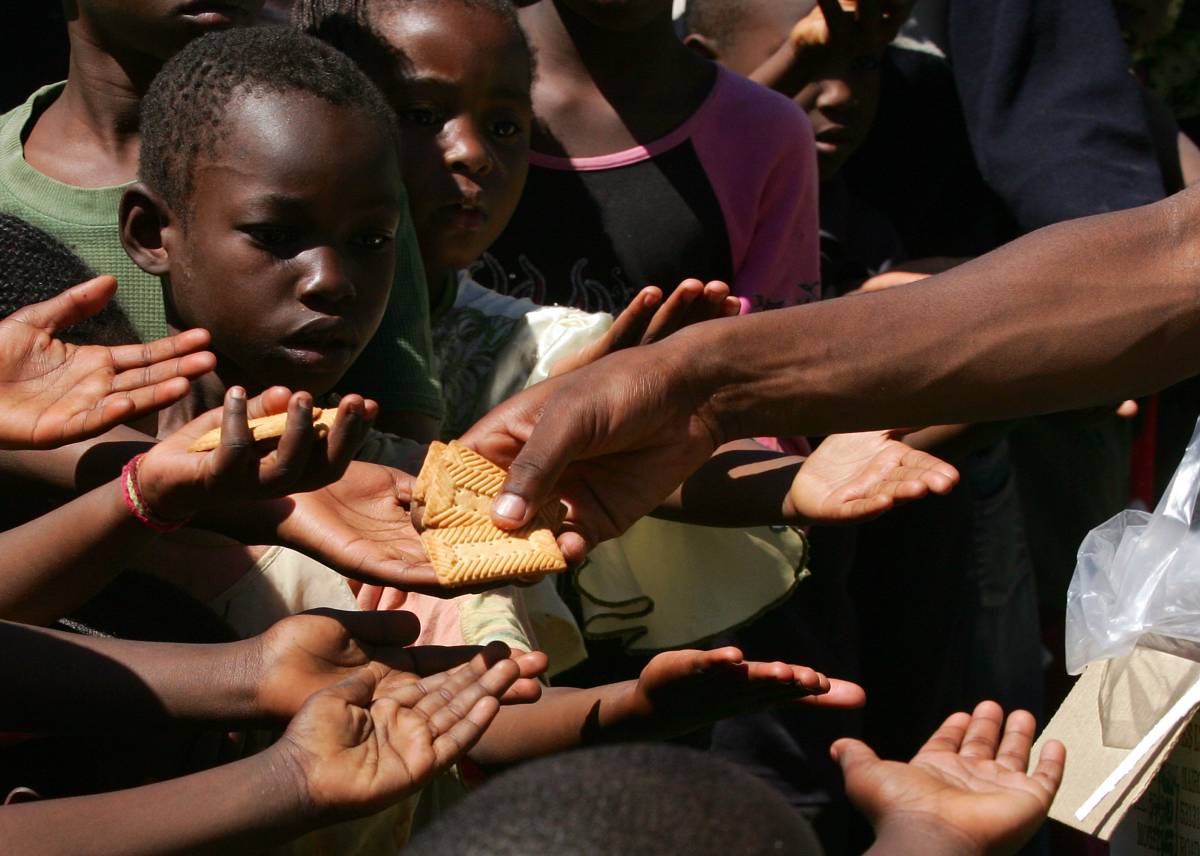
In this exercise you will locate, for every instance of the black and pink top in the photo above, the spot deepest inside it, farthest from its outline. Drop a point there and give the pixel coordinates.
(731, 194)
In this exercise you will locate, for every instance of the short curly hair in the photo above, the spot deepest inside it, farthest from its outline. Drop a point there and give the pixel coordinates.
(35, 266)
(347, 25)
(183, 111)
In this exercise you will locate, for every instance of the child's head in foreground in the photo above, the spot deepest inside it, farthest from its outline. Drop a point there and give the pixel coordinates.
(268, 203)
(458, 74)
(34, 267)
(742, 34)
(633, 798)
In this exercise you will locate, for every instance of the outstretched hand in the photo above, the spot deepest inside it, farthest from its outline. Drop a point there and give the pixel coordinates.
(682, 690)
(379, 736)
(968, 783)
(306, 653)
(53, 393)
(648, 318)
(177, 483)
(853, 477)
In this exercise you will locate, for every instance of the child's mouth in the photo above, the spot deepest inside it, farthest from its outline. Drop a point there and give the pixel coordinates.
(466, 217)
(321, 343)
(214, 13)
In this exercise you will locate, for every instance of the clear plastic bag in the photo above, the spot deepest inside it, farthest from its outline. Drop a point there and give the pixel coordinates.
(1137, 578)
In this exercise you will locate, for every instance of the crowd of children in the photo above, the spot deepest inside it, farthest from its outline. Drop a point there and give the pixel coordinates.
(410, 211)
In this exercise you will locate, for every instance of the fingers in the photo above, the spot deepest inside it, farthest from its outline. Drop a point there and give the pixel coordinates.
(852, 755)
(394, 627)
(842, 695)
(70, 307)
(835, 15)
(295, 444)
(949, 737)
(674, 311)
(1049, 770)
(1016, 741)
(982, 734)
(536, 469)
(232, 454)
(166, 352)
(355, 415)
(269, 402)
(630, 326)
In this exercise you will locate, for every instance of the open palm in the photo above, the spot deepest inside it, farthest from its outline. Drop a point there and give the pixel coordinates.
(853, 477)
(53, 392)
(969, 778)
(380, 735)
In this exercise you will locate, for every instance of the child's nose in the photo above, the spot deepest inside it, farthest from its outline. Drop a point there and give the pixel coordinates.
(834, 94)
(465, 149)
(326, 278)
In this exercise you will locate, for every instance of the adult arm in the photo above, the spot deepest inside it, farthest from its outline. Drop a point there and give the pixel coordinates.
(1073, 315)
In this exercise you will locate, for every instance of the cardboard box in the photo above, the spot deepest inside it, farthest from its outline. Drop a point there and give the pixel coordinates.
(1133, 754)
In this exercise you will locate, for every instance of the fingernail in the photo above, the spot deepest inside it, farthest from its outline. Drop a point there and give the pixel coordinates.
(237, 392)
(510, 507)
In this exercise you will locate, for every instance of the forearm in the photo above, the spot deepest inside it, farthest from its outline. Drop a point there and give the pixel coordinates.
(65, 682)
(238, 808)
(57, 562)
(1074, 315)
(566, 718)
(743, 484)
(78, 467)
(906, 834)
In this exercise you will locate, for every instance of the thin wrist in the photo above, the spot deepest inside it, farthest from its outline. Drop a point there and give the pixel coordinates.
(919, 832)
(694, 368)
(168, 501)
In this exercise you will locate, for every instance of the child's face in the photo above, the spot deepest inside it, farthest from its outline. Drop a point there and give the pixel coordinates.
(287, 253)
(159, 28)
(462, 98)
(841, 105)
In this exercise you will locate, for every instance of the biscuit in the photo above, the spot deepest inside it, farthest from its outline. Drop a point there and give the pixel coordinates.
(457, 486)
(267, 428)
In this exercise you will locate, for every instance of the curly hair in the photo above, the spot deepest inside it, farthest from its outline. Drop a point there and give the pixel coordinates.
(35, 266)
(346, 24)
(182, 113)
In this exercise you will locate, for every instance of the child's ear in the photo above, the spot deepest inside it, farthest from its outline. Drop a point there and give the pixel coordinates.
(145, 217)
(702, 45)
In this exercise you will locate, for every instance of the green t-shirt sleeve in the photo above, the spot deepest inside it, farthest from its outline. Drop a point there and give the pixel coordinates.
(396, 368)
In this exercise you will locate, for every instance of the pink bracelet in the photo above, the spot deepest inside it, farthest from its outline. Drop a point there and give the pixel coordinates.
(132, 492)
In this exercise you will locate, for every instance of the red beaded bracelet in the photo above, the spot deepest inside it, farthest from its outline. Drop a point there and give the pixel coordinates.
(132, 492)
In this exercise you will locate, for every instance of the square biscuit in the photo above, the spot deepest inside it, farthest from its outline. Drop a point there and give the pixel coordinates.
(461, 561)
(457, 486)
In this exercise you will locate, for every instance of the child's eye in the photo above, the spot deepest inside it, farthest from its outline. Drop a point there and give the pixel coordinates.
(506, 128)
(422, 116)
(270, 237)
(375, 241)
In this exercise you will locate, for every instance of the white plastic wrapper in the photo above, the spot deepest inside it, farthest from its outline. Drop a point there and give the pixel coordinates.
(1137, 577)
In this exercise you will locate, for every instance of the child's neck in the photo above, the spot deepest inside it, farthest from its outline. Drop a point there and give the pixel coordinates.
(436, 280)
(206, 392)
(89, 137)
(599, 91)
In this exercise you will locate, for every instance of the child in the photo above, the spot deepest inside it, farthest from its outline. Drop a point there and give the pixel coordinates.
(67, 154)
(465, 124)
(650, 165)
(318, 190)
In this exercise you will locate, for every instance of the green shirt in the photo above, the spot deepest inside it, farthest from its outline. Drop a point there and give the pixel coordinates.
(395, 368)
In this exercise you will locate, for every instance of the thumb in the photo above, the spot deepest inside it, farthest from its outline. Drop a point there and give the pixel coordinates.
(393, 627)
(553, 442)
(852, 755)
(72, 306)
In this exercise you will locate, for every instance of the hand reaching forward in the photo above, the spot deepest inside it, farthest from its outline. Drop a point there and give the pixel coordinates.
(379, 735)
(681, 690)
(53, 393)
(641, 323)
(177, 483)
(306, 653)
(854, 477)
(967, 784)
